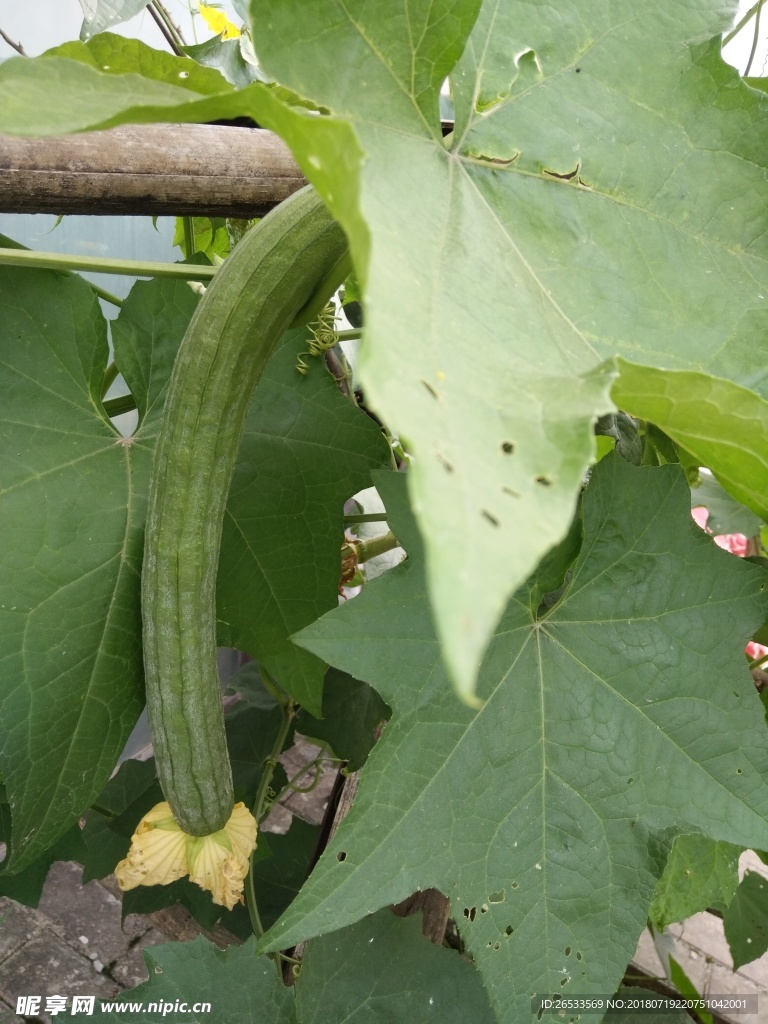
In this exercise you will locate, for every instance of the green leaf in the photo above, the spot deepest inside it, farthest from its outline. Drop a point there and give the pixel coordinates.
(121, 805)
(724, 425)
(148, 899)
(251, 735)
(305, 450)
(352, 711)
(746, 920)
(101, 14)
(226, 56)
(211, 236)
(621, 716)
(686, 988)
(700, 873)
(27, 886)
(615, 231)
(624, 430)
(725, 514)
(118, 55)
(72, 502)
(282, 868)
(248, 685)
(146, 335)
(237, 985)
(383, 969)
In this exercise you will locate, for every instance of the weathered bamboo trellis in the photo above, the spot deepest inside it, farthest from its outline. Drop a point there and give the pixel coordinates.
(148, 170)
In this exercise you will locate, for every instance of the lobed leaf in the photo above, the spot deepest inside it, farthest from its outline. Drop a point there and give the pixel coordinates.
(72, 502)
(612, 720)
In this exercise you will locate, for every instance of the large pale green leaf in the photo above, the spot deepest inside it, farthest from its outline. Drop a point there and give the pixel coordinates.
(72, 503)
(383, 969)
(576, 213)
(305, 450)
(620, 715)
(721, 424)
(700, 873)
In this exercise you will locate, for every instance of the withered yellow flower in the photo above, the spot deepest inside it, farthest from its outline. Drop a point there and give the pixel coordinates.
(161, 853)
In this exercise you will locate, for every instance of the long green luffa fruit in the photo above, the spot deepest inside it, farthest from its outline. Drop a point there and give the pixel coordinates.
(282, 273)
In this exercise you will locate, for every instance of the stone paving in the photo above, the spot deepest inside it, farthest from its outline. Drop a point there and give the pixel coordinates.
(72, 944)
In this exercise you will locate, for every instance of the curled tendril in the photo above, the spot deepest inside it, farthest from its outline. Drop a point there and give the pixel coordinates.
(324, 335)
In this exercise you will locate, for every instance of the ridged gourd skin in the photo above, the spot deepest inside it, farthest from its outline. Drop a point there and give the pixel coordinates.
(282, 272)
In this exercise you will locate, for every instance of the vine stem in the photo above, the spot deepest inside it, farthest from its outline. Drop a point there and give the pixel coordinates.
(289, 708)
(173, 28)
(119, 405)
(110, 374)
(169, 29)
(100, 265)
(747, 18)
(755, 37)
(11, 244)
(367, 549)
(189, 236)
(164, 30)
(14, 46)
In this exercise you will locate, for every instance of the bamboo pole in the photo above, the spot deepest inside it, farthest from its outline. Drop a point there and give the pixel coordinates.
(155, 170)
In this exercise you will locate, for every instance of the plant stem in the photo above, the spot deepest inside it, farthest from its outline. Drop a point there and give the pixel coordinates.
(351, 335)
(110, 374)
(10, 243)
(747, 17)
(759, 662)
(259, 804)
(117, 406)
(366, 517)
(164, 22)
(367, 549)
(164, 30)
(189, 236)
(173, 28)
(755, 37)
(289, 713)
(14, 46)
(102, 293)
(130, 268)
